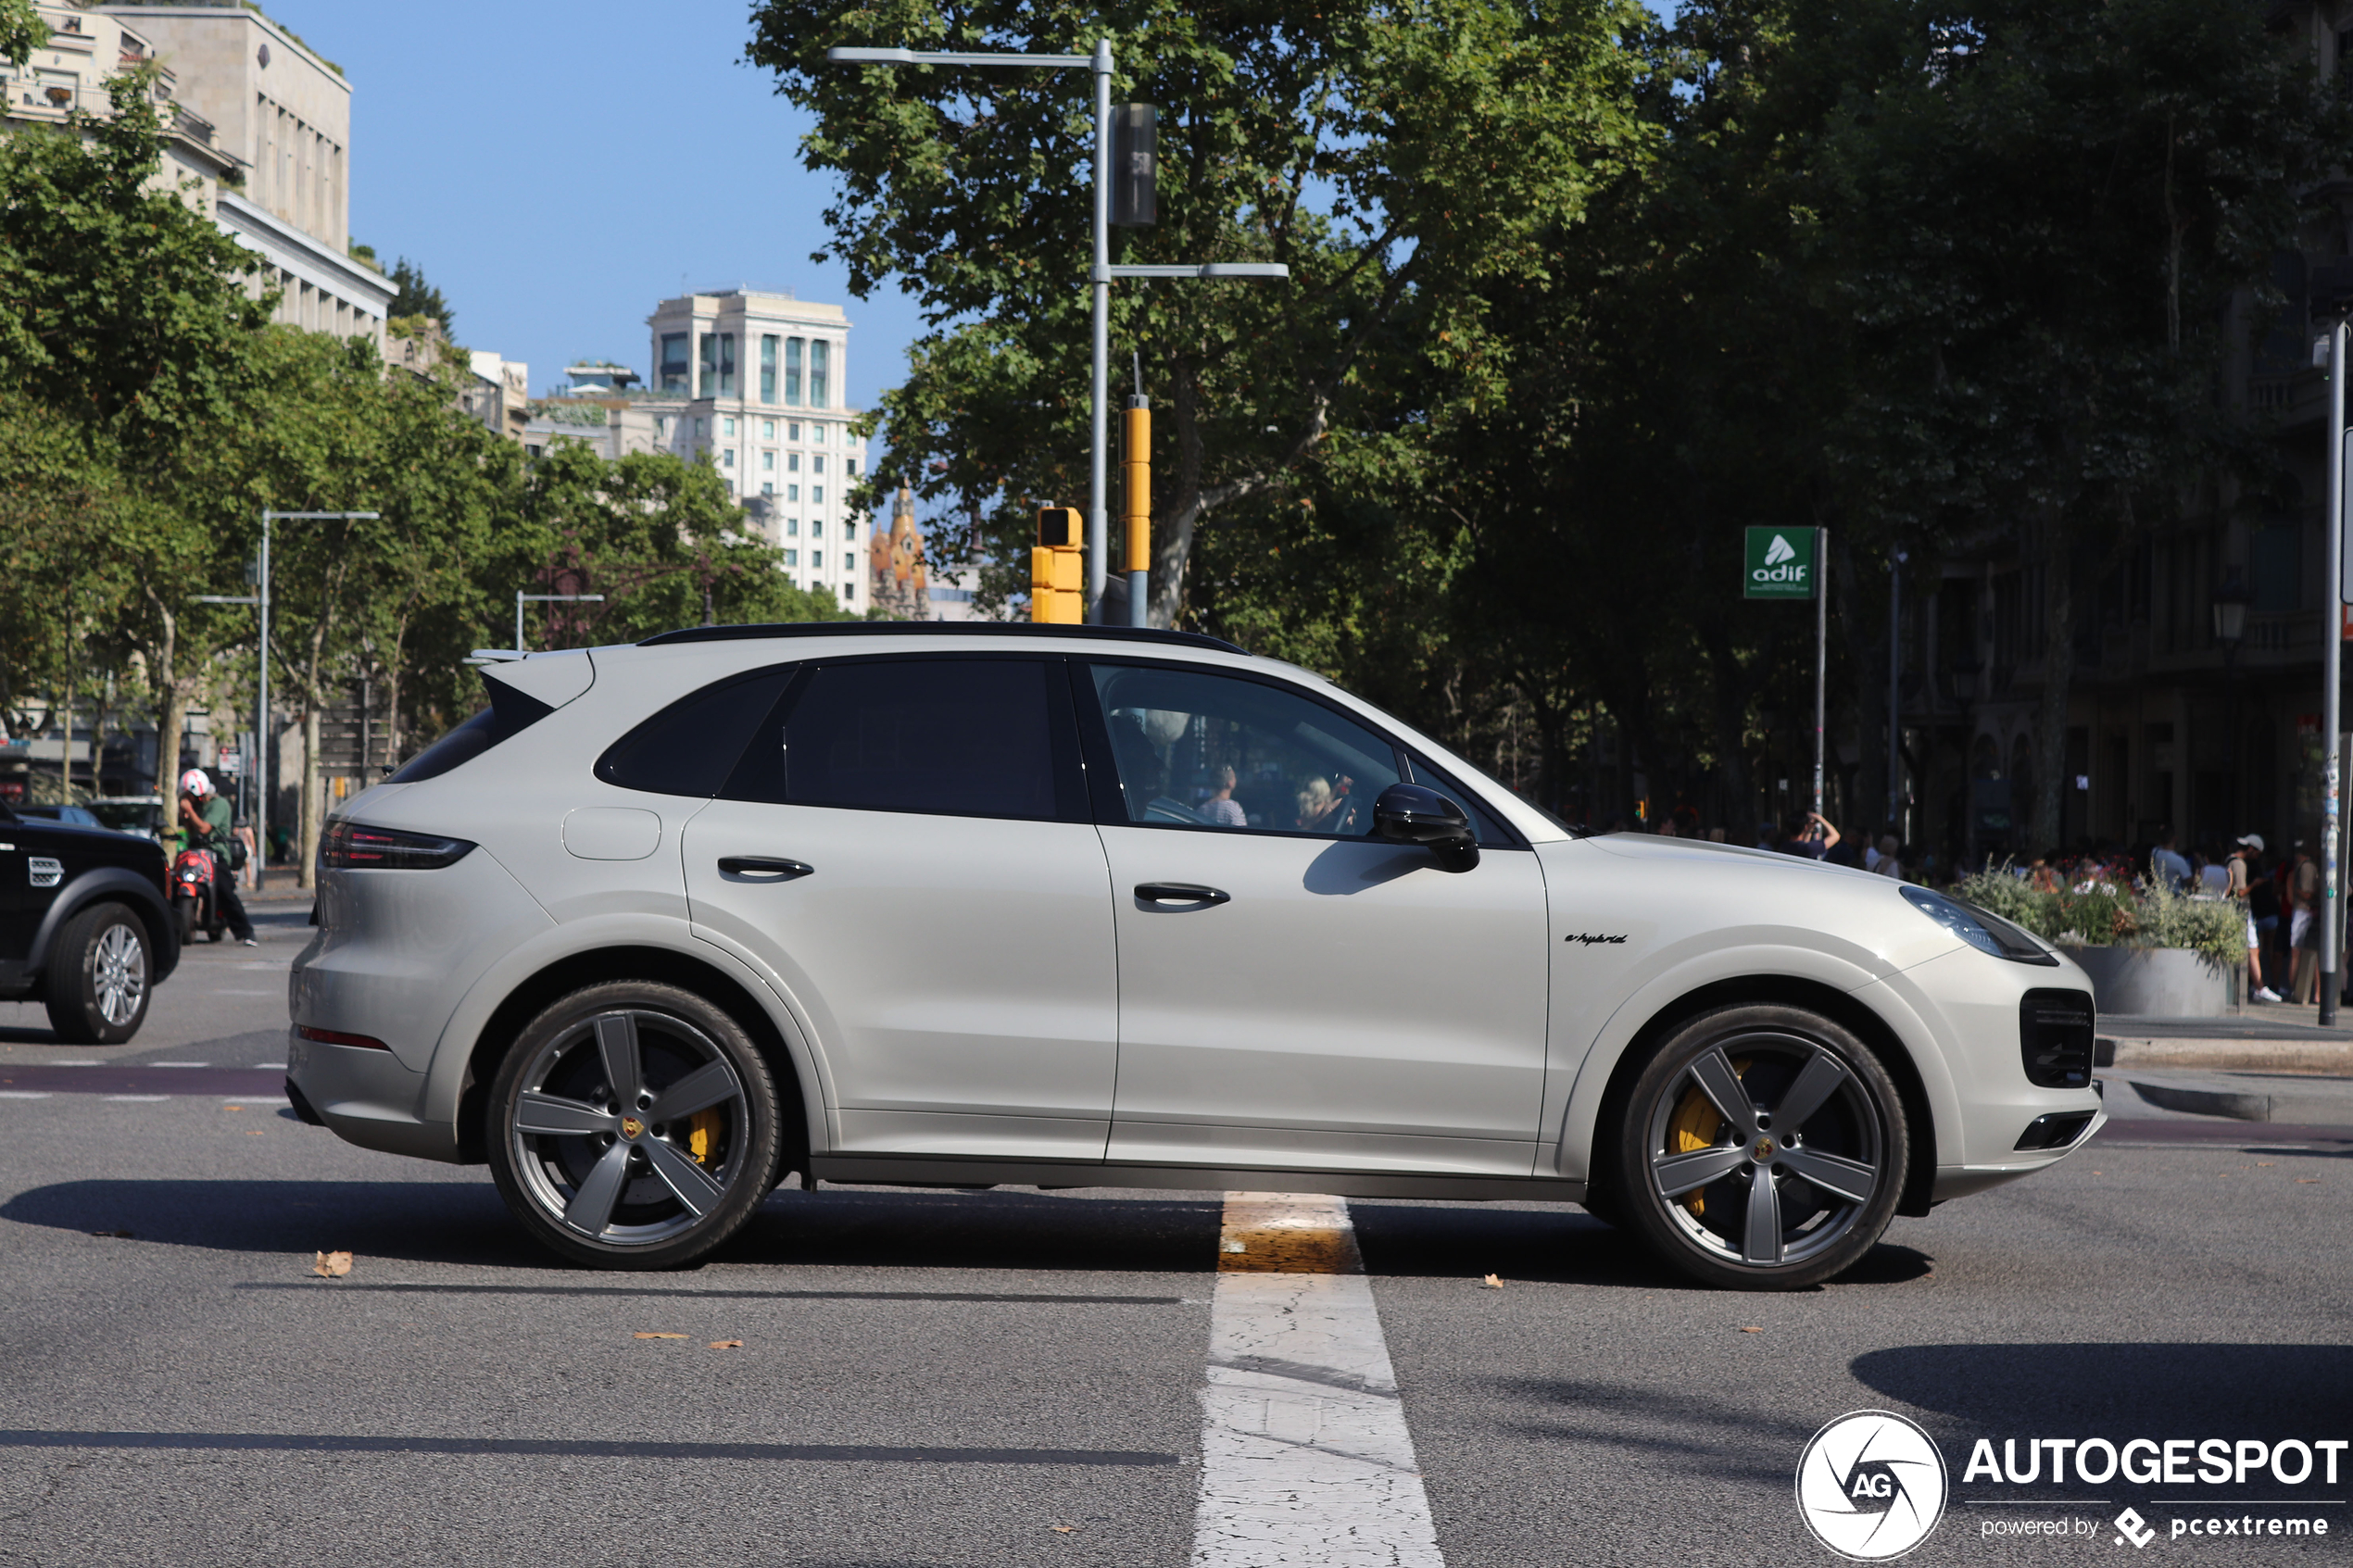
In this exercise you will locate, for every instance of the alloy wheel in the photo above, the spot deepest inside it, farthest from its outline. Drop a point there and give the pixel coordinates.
(629, 1127)
(1766, 1150)
(118, 974)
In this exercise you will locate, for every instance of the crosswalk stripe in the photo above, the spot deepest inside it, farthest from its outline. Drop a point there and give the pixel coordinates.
(1305, 1455)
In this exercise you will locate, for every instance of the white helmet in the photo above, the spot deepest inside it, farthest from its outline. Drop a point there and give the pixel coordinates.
(195, 780)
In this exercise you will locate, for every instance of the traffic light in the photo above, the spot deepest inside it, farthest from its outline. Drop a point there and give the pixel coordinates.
(1057, 569)
(1135, 158)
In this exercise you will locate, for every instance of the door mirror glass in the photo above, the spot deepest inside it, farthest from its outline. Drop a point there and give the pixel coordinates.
(1417, 814)
(1207, 750)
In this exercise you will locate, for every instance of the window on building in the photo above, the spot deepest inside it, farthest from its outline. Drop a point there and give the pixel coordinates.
(820, 362)
(817, 463)
(702, 425)
(727, 458)
(850, 530)
(792, 370)
(2277, 552)
(673, 364)
(768, 372)
(851, 464)
(792, 492)
(726, 427)
(767, 489)
(850, 590)
(816, 495)
(817, 433)
(792, 558)
(768, 462)
(792, 462)
(792, 528)
(792, 430)
(816, 560)
(768, 427)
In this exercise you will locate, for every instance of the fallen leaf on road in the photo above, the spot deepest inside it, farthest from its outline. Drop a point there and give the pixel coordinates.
(2267, 1162)
(1065, 1529)
(2307, 1181)
(658, 1337)
(1493, 1282)
(726, 1344)
(332, 1265)
(1756, 1330)
(251, 1133)
(233, 1108)
(120, 1235)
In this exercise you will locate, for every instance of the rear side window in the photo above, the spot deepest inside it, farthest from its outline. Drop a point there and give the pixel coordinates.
(691, 747)
(974, 737)
(510, 713)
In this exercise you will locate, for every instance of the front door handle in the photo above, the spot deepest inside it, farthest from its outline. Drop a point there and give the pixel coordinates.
(1181, 893)
(762, 868)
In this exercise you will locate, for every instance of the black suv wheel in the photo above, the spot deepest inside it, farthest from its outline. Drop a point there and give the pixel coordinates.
(97, 977)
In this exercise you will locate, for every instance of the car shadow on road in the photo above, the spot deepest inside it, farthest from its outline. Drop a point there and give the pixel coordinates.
(1555, 1245)
(463, 1222)
(2121, 1391)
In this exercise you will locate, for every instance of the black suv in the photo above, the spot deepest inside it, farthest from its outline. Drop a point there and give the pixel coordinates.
(84, 925)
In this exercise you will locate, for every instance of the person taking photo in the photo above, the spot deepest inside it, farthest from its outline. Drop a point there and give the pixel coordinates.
(206, 819)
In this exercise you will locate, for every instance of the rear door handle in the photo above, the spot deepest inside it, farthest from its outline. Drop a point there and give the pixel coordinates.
(1181, 893)
(762, 868)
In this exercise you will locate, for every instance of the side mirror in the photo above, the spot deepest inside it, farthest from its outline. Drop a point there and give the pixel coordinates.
(1415, 814)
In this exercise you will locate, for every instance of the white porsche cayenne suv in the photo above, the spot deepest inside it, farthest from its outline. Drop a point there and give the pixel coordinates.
(967, 904)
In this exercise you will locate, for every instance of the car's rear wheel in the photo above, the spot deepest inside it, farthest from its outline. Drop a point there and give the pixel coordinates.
(633, 1125)
(1762, 1147)
(97, 977)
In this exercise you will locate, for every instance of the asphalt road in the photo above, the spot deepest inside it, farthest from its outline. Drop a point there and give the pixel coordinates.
(1013, 1378)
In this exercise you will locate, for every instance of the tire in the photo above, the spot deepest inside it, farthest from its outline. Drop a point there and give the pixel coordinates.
(97, 983)
(183, 913)
(1706, 1137)
(582, 1159)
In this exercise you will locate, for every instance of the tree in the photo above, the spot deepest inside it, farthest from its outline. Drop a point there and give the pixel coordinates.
(1394, 157)
(21, 30)
(414, 296)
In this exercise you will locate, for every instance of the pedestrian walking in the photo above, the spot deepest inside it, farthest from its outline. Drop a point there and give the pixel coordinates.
(2240, 884)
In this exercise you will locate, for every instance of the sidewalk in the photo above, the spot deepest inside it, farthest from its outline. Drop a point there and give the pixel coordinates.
(2262, 1038)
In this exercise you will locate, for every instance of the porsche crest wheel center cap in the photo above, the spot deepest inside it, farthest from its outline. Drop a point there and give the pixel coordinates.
(1764, 1148)
(631, 1127)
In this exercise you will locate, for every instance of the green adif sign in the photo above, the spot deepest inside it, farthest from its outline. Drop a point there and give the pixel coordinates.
(1780, 564)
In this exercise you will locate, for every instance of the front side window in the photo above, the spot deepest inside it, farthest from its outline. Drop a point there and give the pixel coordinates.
(953, 736)
(820, 362)
(1203, 750)
(792, 370)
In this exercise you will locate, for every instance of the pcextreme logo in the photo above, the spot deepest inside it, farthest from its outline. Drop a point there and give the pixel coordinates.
(1871, 1485)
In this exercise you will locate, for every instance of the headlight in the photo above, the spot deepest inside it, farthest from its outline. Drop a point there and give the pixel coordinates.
(351, 847)
(1981, 929)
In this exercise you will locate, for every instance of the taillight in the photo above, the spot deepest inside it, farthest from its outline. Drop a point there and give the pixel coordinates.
(355, 847)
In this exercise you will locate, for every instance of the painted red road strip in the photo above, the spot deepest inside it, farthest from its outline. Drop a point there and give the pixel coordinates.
(129, 1078)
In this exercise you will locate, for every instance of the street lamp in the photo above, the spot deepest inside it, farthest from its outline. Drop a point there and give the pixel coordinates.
(260, 598)
(521, 598)
(1098, 278)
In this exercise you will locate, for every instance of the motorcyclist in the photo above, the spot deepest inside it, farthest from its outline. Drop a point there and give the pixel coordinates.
(207, 820)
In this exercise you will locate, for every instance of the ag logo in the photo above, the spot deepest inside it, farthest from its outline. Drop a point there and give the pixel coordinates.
(1871, 1485)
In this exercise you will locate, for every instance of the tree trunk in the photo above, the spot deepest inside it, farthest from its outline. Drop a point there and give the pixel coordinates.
(1866, 656)
(2058, 674)
(313, 800)
(170, 709)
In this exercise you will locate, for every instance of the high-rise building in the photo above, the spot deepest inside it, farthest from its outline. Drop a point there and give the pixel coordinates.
(756, 379)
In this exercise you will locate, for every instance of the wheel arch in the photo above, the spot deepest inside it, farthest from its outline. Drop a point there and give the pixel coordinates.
(657, 965)
(1843, 1008)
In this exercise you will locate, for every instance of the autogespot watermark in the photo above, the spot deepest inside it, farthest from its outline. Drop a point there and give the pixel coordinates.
(1872, 1485)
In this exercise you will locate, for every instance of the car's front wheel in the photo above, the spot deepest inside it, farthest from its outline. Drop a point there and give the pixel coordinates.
(97, 977)
(1762, 1147)
(633, 1125)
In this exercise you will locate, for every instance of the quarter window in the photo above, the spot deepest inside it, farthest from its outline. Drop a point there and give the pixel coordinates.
(1199, 750)
(692, 746)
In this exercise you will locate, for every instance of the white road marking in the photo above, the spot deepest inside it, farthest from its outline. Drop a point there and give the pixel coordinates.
(140, 1099)
(22, 1094)
(69, 1064)
(227, 993)
(179, 1064)
(1305, 1456)
(269, 1067)
(265, 963)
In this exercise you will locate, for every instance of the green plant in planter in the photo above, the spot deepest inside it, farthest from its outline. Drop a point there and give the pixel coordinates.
(2144, 916)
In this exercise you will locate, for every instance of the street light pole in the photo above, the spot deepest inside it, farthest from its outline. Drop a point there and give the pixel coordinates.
(261, 685)
(2331, 656)
(1895, 693)
(522, 597)
(1098, 277)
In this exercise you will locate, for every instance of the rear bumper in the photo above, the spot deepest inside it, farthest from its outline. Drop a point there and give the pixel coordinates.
(365, 1097)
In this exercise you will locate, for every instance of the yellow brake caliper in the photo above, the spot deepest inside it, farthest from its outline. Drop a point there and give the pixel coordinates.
(1695, 1125)
(702, 1135)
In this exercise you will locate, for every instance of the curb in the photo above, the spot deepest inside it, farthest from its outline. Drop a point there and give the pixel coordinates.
(2239, 1055)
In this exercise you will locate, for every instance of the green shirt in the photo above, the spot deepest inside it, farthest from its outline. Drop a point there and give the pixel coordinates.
(217, 818)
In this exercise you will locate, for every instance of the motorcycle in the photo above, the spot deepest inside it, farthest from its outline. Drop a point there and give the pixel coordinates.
(192, 906)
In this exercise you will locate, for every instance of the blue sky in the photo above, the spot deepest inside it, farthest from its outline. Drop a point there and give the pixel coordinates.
(557, 169)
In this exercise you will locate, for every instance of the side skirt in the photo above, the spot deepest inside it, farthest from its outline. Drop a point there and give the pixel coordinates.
(926, 1171)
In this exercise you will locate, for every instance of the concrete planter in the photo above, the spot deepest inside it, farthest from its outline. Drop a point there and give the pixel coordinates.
(2158, 981)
